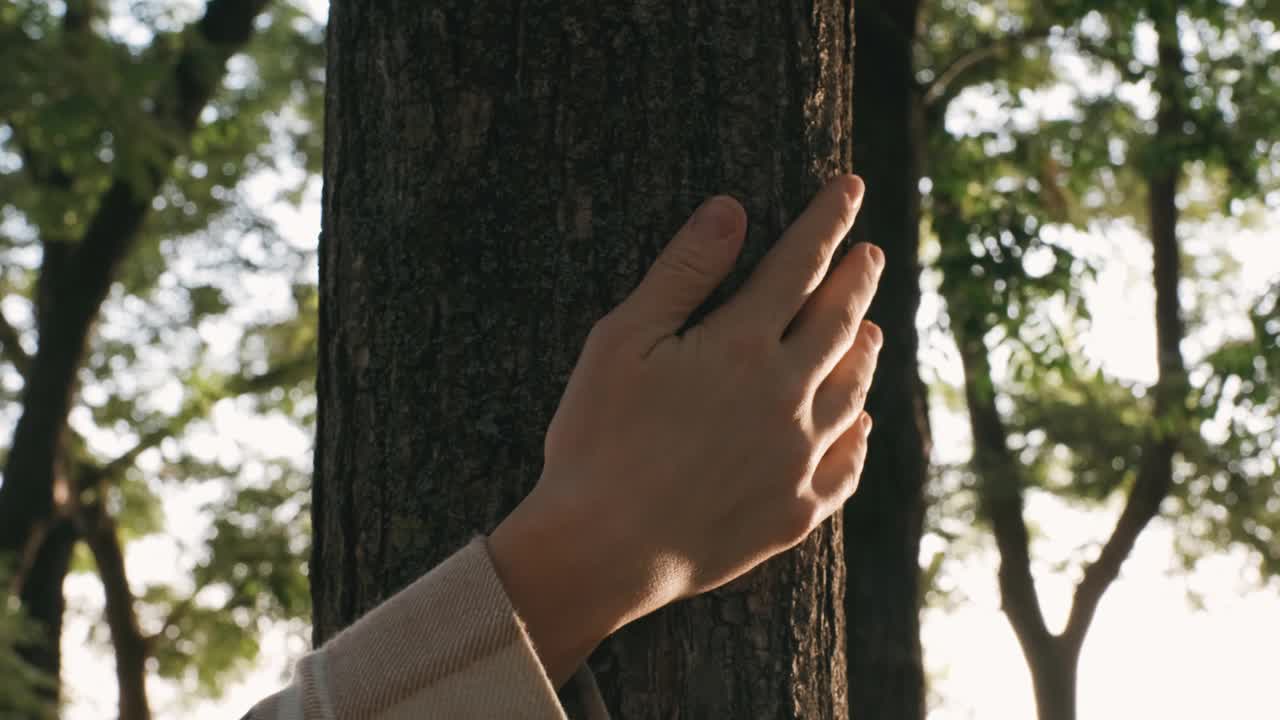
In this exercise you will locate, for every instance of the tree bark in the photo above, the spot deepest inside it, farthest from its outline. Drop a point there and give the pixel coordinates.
(1053, 677)
(497, 177)
(884, 520)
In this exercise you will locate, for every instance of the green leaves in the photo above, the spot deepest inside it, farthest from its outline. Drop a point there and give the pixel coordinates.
(213, 309)
(253, 572)
(1004, 195)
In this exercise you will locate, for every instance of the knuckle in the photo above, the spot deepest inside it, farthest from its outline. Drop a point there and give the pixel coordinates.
(866, 279)
(854, 398)
(859, 363)
(870, 338)
(847, 326)
(849, 483)
(848, 191)
(806, 260)
(847, 214)
(858, 394)
(846, 405)
(855, 367)
(857, 460)
(864, 361)
(812, 263)
(684, 262)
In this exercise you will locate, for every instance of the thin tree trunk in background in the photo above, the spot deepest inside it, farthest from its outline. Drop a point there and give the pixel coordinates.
(1053, 678)
(498, 176)
(130, 646)
(884, 520)
(1053, 659)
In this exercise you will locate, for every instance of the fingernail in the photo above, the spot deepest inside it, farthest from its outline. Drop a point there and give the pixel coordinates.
(874, 334)
(876, 255)
(715, 217)
(860, 193)
(866, 423)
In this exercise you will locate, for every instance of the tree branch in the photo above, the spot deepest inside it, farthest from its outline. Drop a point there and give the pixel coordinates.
(40, 170)
(240, 385)
(1000, 492)
(175, 616)
(90, 474)
(1106, 53)
(947, 83)
(1000, 475)
(77, 292)
(127, 640)
(1155, 472)
(131, 646)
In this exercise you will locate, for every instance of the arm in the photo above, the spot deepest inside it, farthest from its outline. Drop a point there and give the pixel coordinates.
(450, 645)
(750, 421)
(754, 414)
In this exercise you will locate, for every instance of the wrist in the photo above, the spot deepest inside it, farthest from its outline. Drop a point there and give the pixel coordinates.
(556, 567)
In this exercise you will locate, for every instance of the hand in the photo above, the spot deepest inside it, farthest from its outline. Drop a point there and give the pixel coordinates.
(674, 464)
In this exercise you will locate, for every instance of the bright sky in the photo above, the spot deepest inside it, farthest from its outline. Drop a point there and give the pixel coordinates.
(1149, 654)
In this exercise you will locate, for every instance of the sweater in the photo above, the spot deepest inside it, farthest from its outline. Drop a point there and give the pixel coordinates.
(450, 645)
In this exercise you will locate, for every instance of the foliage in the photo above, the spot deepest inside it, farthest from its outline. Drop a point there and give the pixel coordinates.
(1006, 197)
(213, 308)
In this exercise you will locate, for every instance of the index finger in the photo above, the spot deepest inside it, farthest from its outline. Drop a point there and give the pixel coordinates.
(794, 267)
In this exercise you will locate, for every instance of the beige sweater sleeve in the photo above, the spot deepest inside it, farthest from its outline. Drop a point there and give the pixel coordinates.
(448, 646)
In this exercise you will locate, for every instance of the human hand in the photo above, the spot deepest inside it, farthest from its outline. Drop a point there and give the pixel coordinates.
(673, 463)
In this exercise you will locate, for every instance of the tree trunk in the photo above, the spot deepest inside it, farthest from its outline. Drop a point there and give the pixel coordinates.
(130, 646)
(1053, 675)
(884, 520)
(41, 596)
(497, 177)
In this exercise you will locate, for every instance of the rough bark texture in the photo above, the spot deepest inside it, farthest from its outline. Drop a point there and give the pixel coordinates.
(884, 520)
(498, 176)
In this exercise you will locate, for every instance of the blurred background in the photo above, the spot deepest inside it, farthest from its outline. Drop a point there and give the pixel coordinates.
(159, 200)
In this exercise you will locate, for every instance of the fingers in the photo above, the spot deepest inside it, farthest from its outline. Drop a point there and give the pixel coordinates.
(841, 397)
(823, 331)
(796, 264)
(838, 473)
(696, 260)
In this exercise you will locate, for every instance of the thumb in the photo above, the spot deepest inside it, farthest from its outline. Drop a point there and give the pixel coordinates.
(689, 268)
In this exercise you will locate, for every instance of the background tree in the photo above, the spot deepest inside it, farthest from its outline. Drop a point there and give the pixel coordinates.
(1048, 420)
(125, 237)
(884, 520)
(520, 173)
